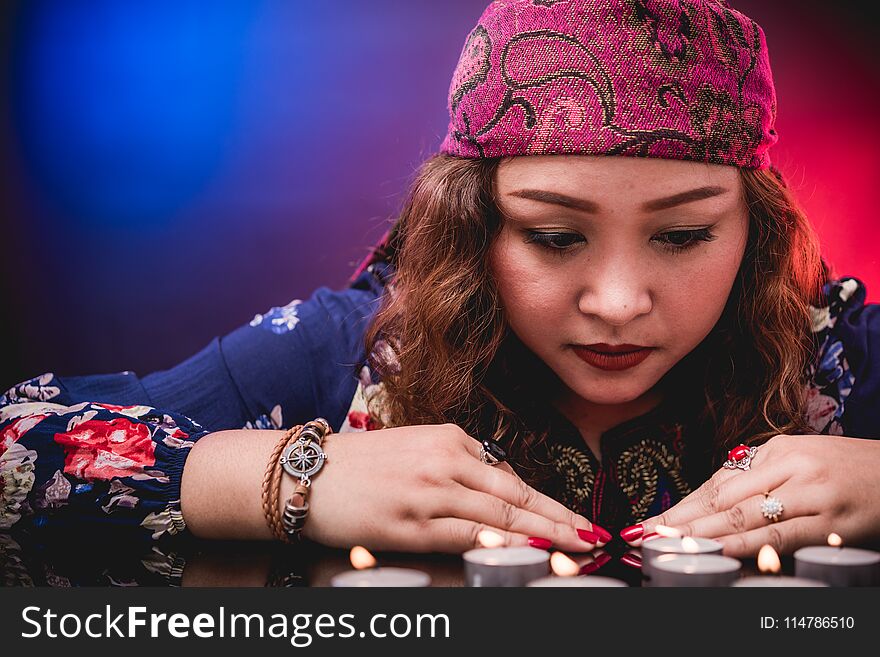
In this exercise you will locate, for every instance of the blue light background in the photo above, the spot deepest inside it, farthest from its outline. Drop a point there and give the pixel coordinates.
(181, 166)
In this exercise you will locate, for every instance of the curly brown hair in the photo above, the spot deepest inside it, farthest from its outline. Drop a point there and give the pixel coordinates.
(442, 347)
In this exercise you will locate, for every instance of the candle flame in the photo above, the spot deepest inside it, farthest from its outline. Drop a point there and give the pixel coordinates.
(489, 539)
(563, 565)
(689, 545)
(361, 558)
(768, 560)
(667, 532)
(834, 540)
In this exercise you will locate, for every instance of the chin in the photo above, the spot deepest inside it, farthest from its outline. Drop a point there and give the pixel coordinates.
(600, 392)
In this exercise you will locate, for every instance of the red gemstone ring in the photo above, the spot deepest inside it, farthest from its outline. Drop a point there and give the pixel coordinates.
(740, 457)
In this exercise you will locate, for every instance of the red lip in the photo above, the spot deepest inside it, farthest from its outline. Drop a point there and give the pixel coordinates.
(613, 348)
(612, 357)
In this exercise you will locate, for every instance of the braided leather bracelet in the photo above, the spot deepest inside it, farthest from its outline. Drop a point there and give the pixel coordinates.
(299, 453)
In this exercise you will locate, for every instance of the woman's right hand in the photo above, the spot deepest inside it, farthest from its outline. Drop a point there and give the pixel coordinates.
(424, 489)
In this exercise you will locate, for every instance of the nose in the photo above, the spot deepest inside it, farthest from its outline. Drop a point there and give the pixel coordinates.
(616, 290)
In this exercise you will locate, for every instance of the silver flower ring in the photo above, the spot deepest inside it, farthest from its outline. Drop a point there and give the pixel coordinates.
(771, 507)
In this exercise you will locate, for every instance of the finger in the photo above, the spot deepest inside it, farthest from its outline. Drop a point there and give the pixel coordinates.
(515, 490)
(716, 495)
(747, 515)
(456, 535)
(510, 488)
(785, 537)
(468, 504)
(472, 445)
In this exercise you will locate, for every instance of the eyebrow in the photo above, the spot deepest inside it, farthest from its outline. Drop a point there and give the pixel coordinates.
(591, 207)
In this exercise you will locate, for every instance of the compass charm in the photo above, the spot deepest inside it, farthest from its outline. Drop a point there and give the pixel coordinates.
(303, 459)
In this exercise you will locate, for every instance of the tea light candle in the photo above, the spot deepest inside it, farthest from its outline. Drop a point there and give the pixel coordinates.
(694, 570)
(382, 576)
(579, 581)
(837, 565)
(367, 575)
(505, 566)
(776, 580)
(675, 545)
(565, 573)
(769, 565)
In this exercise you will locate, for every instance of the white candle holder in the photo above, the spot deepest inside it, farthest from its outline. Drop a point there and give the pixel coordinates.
(505, 566)
(674, 545)
(684, 570)
(838, 566)
(382, 577)
(768, 581)
(578, 581)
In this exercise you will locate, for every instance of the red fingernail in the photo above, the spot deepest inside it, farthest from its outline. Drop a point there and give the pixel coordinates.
(595, 564)
(540, 543)
(604, 534)
(602, 559)
(631, 533)
(588, 536)
(648, 537)
(631, 559)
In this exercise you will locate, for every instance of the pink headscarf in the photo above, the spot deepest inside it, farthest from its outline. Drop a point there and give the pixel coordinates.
(679, 79)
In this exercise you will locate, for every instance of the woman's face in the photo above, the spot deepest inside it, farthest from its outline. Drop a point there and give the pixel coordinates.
(616, 251)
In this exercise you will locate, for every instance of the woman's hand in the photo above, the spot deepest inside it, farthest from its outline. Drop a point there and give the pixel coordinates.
(825, 483)
(424, 489)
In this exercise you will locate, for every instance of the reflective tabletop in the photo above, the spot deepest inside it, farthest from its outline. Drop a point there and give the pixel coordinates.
(64, 560)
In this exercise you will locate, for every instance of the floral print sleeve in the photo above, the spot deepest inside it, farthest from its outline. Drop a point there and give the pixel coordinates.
(109, 450)
(67, 463)
(843, 393)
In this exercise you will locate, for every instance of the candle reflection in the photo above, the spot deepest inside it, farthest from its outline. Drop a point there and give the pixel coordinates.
(569, 572)
(562, 565)
(489, 539)
(365, 574)
(689, 545)
(361, 558)
(768, 560)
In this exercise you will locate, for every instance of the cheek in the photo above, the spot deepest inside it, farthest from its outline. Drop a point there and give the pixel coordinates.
(526, 291)
(696, 296)
(516, 291)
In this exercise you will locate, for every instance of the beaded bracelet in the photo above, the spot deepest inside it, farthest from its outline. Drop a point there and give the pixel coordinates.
(299, 453)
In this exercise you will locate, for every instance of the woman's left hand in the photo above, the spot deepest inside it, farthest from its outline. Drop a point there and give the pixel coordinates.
(825, 483)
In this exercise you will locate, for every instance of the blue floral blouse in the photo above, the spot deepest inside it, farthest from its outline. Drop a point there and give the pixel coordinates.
(108, 450)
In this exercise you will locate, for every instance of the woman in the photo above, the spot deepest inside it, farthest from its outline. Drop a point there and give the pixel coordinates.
(600, 278)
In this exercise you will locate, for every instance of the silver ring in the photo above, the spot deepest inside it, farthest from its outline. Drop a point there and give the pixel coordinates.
(771, 507)
(487, 458)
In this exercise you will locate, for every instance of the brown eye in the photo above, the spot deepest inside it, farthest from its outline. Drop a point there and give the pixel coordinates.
(678, 241)
(554, 241)
(679, 237)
